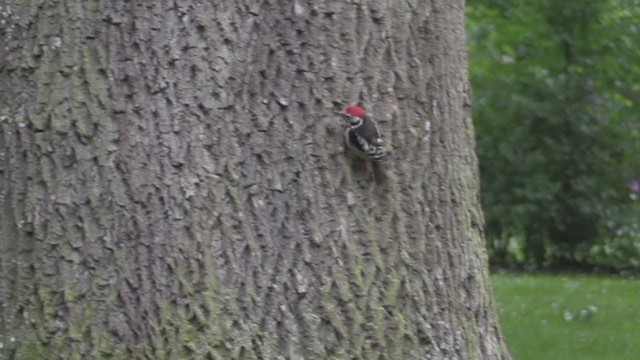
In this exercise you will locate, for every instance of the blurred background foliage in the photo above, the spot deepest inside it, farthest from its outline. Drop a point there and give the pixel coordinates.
(556, 109)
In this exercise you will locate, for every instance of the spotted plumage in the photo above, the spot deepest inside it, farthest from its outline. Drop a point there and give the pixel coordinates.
(363, 138)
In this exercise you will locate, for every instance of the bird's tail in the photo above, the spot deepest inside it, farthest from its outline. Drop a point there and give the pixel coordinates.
(379, 173)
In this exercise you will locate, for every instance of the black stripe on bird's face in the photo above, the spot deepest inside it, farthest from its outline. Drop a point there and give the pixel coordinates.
(355, 122)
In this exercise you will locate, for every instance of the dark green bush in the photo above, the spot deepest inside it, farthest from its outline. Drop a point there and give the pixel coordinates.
(557, 98)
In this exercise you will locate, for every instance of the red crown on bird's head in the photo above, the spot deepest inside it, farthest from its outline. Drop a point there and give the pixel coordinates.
(355, 111)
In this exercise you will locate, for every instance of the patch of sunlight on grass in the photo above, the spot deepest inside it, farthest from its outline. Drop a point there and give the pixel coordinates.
(569, 317)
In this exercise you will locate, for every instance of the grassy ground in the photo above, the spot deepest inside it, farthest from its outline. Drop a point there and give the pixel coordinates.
(569, 317)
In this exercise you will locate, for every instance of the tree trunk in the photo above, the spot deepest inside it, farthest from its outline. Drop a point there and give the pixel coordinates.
(174, 184)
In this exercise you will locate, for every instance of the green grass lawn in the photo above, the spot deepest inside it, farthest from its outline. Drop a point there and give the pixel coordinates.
(569, 317)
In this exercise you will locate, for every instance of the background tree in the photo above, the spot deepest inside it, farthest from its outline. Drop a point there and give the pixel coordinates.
(174, 185)
(556, 110)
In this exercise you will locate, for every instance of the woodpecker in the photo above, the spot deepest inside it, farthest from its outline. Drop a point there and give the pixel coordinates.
(363, 139)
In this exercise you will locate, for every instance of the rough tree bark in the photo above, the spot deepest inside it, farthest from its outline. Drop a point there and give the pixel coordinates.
(173, 182)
